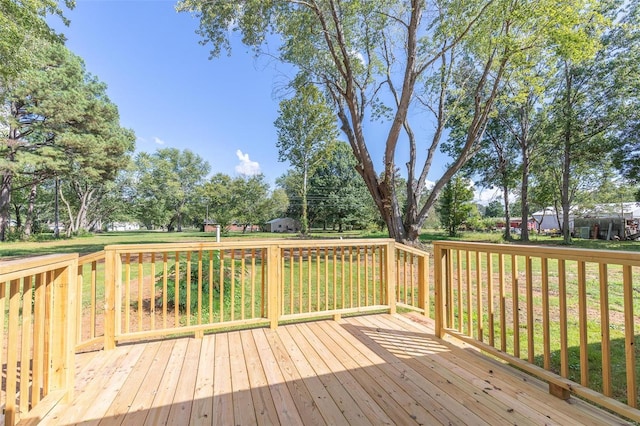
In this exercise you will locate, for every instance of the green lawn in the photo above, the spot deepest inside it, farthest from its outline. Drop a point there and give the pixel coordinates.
(96, 242)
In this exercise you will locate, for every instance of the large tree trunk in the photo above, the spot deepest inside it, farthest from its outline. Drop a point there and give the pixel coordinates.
(5, 203)
(6, 184)
(524, 194)
(305, 213)
(70, 228)
(507, 213)
(28, 223)
(566, 158)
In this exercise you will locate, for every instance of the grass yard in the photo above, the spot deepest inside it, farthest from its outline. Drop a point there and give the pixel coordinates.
(96, 242)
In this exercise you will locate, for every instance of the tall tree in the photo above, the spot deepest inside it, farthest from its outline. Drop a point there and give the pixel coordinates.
(19, 21)
(60, 124)
(337, 194)
(494, 209)
(250, 200)
(393, 60)
(591, 106)
(306, 131)
(455, 204)
(168, 186)
(627, 35)
(216, 194)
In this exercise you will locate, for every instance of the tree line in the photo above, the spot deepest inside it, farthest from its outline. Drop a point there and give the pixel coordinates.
(539, 98)
(501, 85)
(58, 127)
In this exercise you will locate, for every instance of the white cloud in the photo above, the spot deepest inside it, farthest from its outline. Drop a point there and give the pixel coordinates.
(246, 166)
(158, 141)
(359, 56)
(485, 195)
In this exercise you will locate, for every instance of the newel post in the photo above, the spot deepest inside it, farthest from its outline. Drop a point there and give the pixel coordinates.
(390, 278)
(274, 260)
(64, 326)
(423, 283)
(440, 280)
(112, 278)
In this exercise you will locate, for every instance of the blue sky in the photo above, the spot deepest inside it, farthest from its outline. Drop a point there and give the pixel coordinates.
(170, 93)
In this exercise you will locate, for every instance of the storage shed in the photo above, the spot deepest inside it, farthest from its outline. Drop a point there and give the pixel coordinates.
(282, 224)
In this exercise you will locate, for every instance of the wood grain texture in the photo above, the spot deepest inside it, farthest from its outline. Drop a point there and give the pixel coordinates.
(375, 369)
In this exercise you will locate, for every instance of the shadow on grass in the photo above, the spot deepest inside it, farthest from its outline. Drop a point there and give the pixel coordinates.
(594, 357)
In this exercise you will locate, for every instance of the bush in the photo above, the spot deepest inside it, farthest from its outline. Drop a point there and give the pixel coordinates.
(182, 280)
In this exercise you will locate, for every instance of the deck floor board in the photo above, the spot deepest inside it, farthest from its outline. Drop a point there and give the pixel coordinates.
(376, 369)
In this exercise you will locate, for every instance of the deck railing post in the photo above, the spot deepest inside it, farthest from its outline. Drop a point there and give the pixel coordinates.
(390, 278)
(111, 278)
(274, 286)
(64, 326)
(423, 280)
(440, 278)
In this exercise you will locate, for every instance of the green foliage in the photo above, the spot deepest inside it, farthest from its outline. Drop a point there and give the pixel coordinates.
(199, 284)
(167, 187)
(306, 136)
(60, 124)
(337, 197)
(456, 205)
(395, 61)
(21, 20)
(244, 200)
(494, 209)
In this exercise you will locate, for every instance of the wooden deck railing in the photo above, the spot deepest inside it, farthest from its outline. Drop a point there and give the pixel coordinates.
(53, 306)
(38, 317)
(566, 315)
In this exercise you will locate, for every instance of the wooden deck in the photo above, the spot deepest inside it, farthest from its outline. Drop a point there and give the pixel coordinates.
(378, 369)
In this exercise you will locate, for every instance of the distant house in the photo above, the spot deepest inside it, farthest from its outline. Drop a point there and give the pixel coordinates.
(515, 223)
(283, 224)
(123, 226)
(209, 225)
(547, 220)
(602, 221)
(239, 227)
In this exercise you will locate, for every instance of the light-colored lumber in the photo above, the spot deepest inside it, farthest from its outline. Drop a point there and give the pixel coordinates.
(282, 399)
(119, 406)
(375, 369)
(89, 385)
(265, 409)
(321, 398)
(222, 398)
(184, 395)
(163, 399)
(202, 409)
(315, 366)
(439, 403)
(139, 409)
(304, 401)
(94, 400)
(375, 414)
(390, 379)
(243, 408)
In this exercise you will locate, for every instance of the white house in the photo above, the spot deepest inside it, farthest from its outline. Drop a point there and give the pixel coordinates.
(282, 224)
(547, 220)
(123, 226)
